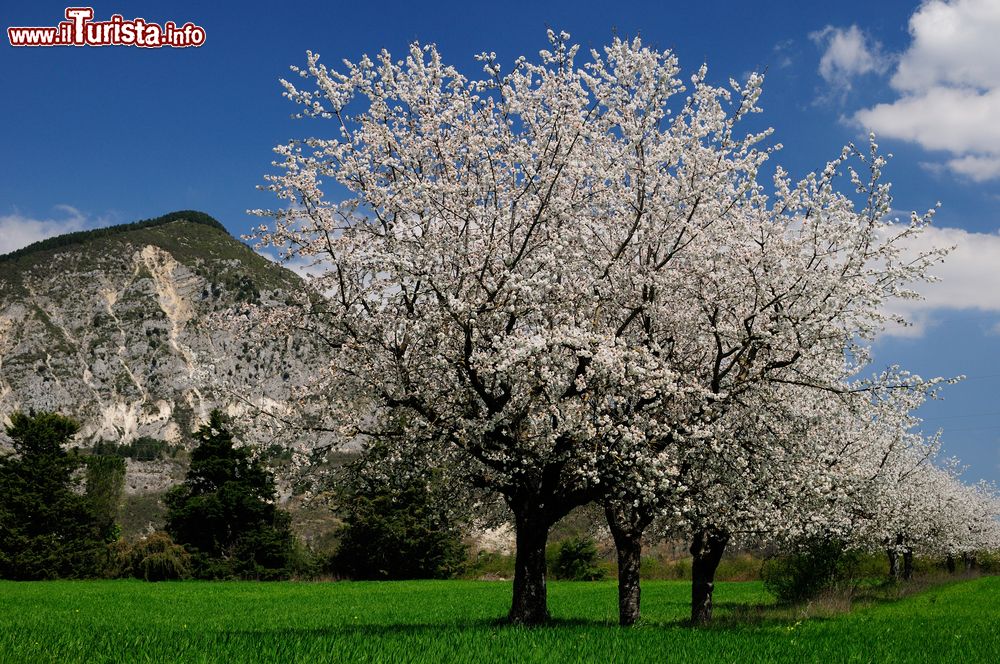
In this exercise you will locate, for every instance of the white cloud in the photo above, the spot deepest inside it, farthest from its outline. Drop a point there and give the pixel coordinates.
(976, 167)
(954, 43)
(782, 51)
(18, 230)
(949, 85)
(848, 53)
(969, 278)
(958, 120)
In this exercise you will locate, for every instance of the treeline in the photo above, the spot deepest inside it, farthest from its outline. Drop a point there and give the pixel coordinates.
(79, 237)
(144, 448)
(58, 510)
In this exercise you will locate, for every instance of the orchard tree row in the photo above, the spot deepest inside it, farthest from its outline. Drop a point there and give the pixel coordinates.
(566, 282)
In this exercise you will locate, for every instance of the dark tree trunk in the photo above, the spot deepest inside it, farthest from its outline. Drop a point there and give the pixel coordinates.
(969, 560)
(530, 604)
(627, 527)
(949, 563)
(908, 564)
(706, 552)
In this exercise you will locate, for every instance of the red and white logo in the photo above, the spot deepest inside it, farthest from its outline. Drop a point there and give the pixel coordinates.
(79, 29)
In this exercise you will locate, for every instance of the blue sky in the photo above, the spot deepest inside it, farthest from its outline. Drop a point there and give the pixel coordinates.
(94, 136)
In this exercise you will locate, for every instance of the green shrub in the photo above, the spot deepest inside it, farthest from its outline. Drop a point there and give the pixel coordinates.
(489, 565)
(153, 558)
(987, 561)
(576, 559)
(738, 567)
(390, 534)
(818, 565)
(660, 569)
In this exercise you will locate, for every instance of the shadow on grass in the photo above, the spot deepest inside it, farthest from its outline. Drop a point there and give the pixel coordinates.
(728, 616)
(735, 619)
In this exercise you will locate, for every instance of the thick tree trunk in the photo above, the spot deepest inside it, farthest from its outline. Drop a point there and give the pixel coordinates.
(907, 564)
(706, 552)
(949, 563)
(627, 533)
(969, 561)
(530, 603)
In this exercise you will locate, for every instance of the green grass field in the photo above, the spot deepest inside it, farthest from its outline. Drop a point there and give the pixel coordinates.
(433, 621)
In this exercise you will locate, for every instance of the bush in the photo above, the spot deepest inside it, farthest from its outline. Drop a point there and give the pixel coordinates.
(489, 565)
(576, 559)
(817, 566)
(988, 562)
(153, 558)
(397, 535)
(738, 567)
(655, 568)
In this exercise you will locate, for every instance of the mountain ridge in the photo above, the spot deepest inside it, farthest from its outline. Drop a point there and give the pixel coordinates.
(122, 328)
(79, 237)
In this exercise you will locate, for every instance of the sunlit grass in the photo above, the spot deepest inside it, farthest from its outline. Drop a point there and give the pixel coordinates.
(430, 621)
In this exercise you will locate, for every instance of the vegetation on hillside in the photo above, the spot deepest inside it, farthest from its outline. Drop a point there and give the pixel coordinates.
(192, 238)
(80, 237)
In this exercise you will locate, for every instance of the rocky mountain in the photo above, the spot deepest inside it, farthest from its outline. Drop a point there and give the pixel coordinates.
(124, 328)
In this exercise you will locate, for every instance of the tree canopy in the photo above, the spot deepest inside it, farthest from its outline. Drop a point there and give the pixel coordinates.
(587, 282)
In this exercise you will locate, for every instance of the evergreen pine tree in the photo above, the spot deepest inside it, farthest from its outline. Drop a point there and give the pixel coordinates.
(47, 527)
(224, 512)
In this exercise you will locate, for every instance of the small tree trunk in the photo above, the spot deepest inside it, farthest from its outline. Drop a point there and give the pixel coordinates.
(706, 552)
(908, 564)
(627, 533)
(949, 563)
(893, 553)
(893, 564)
(969, 561)
(530, 603)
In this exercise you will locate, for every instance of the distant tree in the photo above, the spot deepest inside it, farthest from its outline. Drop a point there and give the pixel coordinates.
(225, 514)
(105, 480)
(398, 534)
(141, 449)
(48, 529)
(577, 559)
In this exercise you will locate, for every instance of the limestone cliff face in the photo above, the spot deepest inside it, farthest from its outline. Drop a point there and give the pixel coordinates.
(126, 331)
